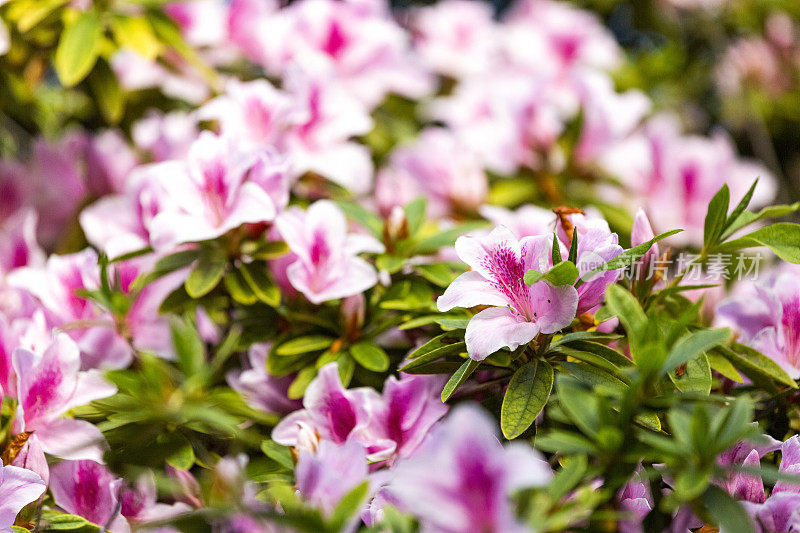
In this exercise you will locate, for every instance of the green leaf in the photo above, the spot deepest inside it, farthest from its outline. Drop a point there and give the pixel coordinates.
(719, 364)
(78, 48)
(696, 377)
(625, 307)
(447, 237)
(347, 366)
(565, 442)
(136, 33)
(278, 453)
(726, 511)
(595, 377)
(56, 521)
(264, 250)
(628, 257)
(746, 218)
(348, 506)
(568, 477)
(556, 251)
(525, 397)
(441, 345)
(742, 205)
(584, 336)
(415, 214)
(716, 216)
(256, 274)
(756, 365)
(573, 248)
(238, 288)
(207, 273)
(783, 238)
(459, 377)
(363, 216)
(183, 458)
(189, 348)
(437, 273)
(108, 94)
(301, 345)
(692, 345)
(564, 273)
(370, 356)
(298, 387)
(390, 263)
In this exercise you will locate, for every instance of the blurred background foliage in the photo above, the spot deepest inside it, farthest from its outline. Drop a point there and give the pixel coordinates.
(732, 64)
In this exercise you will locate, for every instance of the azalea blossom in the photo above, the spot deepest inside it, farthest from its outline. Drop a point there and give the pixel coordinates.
(519, 313)
(438, 166)
(777, 513)
(49, 384)
(597, 244)
(767, 314)
(674, 176)
(388, 426)
(260, 389)
(86, 488)
(18, 488)
(327, 266)
(324, 477)
(456, 38)
(57, 285)
(354, 44)
(215, 190)
(310, 121)
(462, 477)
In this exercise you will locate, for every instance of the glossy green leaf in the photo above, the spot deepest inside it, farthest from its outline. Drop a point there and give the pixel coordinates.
(207, 273)
(525, 397)
(301, 345)
(370, 356)
(459, 377)
(258, 277)
(782, 238)
(717, 215)
(78, 48)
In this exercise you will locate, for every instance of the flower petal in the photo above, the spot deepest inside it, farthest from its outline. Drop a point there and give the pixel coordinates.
(495, 328)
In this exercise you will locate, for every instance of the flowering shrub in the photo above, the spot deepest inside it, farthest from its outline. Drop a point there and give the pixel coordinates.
(331, 266)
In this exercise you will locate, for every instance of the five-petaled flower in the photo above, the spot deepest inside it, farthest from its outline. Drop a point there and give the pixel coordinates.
(519, 312)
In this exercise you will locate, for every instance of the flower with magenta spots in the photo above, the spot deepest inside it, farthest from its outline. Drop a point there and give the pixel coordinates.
(498, 264)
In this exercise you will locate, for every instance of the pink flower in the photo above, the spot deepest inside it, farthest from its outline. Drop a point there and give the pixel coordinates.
(165, 136)
(260, 389)
(18, 246)
(526, 221)
(608, 116)
(354, 44)
(311, 121)
(48, 385)
(332, 413)
(519, 313)
(438, 166)
(18, 488)
(767, 315)
(462, 477)
(596, 245)
(456, 37)
(641, 232)
(215, 190)
(390, 426)
(675, 175)
(139, 506)
(327, 267)
(564, 37)
(88, 489)
(508, 119)
(325, 477)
